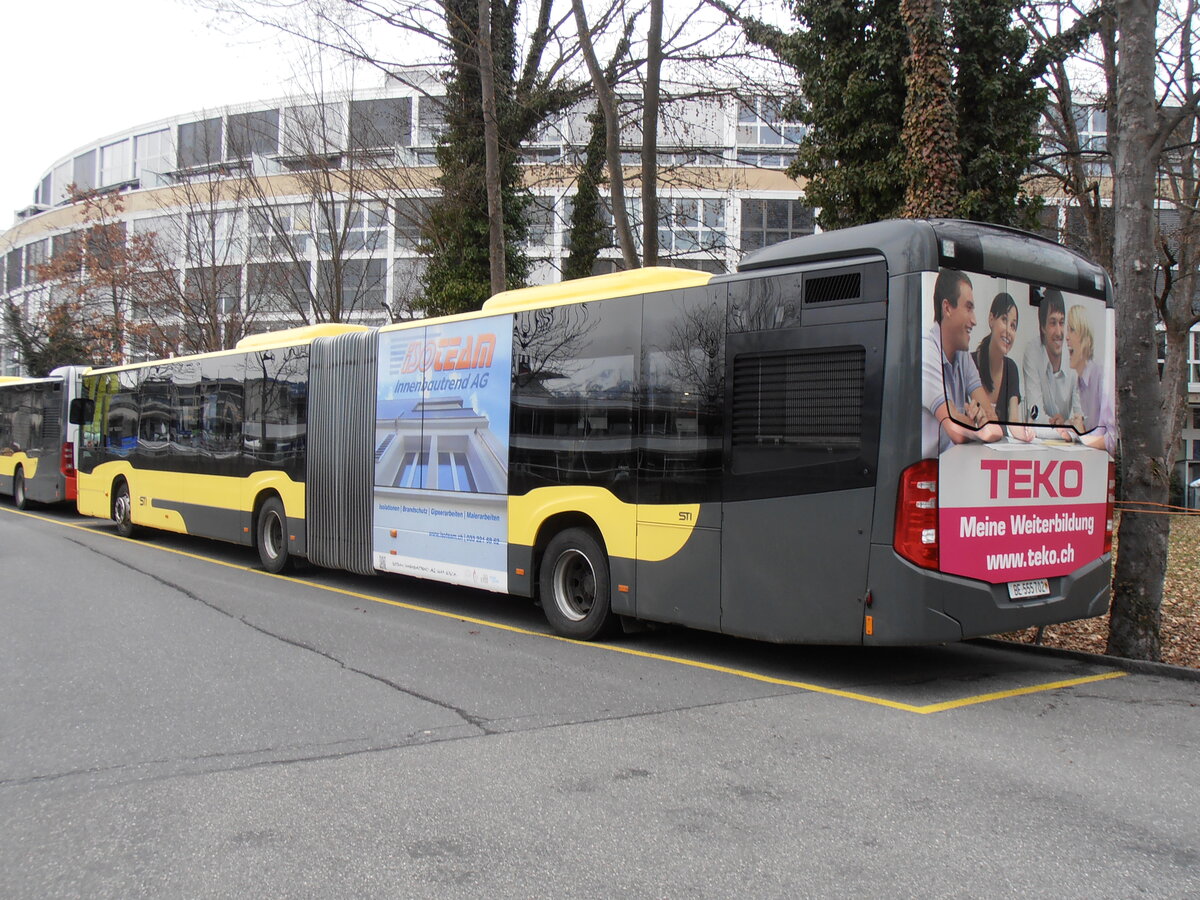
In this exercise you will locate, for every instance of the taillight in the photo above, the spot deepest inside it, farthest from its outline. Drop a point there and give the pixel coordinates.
(916, 534)
(67, 460)
(1112, 501)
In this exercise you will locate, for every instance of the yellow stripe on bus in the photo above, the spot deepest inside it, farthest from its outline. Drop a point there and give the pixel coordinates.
(925, 709)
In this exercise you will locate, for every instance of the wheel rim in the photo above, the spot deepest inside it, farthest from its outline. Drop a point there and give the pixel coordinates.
(574, 585)
(122, 508)
(272, 535)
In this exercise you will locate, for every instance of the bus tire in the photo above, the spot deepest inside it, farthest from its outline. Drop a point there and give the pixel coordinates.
(574, 586)
(271, 536)
(20, 498)
(122, 510)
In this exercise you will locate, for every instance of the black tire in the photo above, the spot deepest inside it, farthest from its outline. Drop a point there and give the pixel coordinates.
(20, 498)
(574, 586)
(271, 536)
(122, 511)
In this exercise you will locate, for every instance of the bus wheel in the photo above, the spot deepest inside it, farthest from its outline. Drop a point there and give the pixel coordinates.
(574, 586)
(271, 536)
(122, 511)
(20, 500)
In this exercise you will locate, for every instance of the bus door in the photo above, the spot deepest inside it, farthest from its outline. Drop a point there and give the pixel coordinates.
(804, 385)
(680, 443)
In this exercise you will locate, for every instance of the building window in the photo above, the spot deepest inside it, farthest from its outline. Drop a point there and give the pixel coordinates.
(767, 222)
(313, 130)
(540, 218)
(212, 290)
(252, 134)
(281, 230)
(1194, 360)
(380, 123)
(114, 163)
(431, 120)
(406, 285)
(36, 255)
(454, 473)
(277, 290)
(688, 225)
(152, 155)
(212, 237)
(45, 192)
(411, 215)
(84, 171)
(12, 276)
(351, 227)
(363, 286)
(1092, 126)
(761, 125)
(199, 143)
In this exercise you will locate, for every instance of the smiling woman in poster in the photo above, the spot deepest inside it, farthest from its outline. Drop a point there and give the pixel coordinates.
(997, 372)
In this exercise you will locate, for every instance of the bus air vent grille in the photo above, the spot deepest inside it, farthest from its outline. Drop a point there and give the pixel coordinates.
(799, 398)
(827, 288)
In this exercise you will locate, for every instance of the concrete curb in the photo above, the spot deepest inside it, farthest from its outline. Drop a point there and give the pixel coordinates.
(1141, 667)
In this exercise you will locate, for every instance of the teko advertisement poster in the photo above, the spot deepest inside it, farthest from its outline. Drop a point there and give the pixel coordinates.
(441, 452)
(1018, 407)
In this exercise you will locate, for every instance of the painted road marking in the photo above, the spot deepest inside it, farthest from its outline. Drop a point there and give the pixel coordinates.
(613, 648)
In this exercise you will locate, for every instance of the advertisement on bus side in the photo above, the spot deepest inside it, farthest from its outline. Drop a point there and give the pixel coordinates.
(441, 452)
(1018, 406)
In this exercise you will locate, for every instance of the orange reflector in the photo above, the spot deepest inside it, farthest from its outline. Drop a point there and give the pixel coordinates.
(870, 625)
(392, 532)
(291, 537)
(245, 529)
(393, 552)
(623, 588)
(519, 571)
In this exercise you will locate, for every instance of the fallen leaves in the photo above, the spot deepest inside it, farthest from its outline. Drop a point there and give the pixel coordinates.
(1180, 607)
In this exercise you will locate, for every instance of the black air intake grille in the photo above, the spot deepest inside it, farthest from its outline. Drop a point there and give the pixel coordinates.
(828, 288)
(811, 398)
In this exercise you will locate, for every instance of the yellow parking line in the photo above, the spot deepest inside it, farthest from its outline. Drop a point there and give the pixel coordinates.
(629, 651)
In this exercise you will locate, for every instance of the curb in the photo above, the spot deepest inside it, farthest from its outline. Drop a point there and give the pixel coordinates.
(1140, 666)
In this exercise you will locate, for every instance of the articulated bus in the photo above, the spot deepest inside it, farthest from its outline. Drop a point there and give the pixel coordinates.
(37, 443)
(892, 434)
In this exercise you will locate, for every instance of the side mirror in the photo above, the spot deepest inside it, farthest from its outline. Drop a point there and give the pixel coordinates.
(81, 411)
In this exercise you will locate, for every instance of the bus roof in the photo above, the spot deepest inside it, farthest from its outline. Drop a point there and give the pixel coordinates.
(596, 287)
(921, 245)
(268, 340)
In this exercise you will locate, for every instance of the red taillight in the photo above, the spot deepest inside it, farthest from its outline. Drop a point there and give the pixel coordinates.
(916, 534)
(1112, 500)
(67, 459)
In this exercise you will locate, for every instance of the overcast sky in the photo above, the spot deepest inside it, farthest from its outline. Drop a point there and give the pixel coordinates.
(73, 71)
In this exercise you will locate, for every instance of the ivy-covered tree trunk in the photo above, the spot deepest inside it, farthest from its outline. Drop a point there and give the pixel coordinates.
(930, 133)
(457, 239)
(1145, 470)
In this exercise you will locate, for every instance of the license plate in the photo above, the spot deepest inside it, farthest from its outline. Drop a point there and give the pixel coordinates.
(1023, 590)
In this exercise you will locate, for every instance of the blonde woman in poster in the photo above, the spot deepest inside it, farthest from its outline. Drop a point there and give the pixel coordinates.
(1095, 399)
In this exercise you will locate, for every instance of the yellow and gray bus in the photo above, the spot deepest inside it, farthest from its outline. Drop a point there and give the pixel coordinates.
(37, 443)
(881, 435)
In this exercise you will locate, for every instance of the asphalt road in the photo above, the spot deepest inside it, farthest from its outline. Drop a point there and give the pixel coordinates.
(176, 723)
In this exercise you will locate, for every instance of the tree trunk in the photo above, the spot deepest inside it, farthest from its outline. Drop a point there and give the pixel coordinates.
(930, 132)
(650, 135)
(491, 148)
(1145, 472)
(606, 97)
